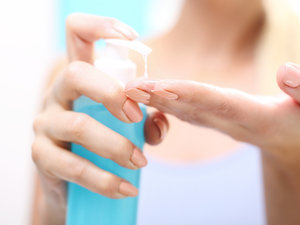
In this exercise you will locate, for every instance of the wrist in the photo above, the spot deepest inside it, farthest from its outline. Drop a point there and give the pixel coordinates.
(51, 212)
(52, 202)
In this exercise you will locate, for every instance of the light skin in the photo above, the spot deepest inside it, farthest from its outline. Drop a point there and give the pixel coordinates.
(200, 49)
(57, 125)
(267, 123)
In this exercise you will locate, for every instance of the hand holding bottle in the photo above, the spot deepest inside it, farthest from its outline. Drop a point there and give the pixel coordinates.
(56, 126)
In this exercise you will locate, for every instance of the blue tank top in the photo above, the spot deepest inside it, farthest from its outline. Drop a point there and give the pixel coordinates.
(225, 191)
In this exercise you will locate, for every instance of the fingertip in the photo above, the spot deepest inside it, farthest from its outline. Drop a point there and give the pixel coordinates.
(156, 128)
(288, 79)
(138, 158)
(127, 189)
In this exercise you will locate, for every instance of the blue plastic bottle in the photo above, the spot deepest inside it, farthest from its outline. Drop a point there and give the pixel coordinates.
(86, 207)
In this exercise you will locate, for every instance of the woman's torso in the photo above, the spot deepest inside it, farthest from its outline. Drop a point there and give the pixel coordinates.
(227, 190)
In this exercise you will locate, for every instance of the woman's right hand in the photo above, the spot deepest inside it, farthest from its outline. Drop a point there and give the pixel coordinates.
(57, 125)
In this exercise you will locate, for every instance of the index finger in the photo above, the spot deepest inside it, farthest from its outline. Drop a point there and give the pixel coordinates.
(230, 104)
(82, 30)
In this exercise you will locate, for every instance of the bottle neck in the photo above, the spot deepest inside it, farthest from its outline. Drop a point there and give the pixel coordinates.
(115, 52)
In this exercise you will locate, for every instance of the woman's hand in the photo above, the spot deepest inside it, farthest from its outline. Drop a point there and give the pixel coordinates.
(269, 122)
(58, 125)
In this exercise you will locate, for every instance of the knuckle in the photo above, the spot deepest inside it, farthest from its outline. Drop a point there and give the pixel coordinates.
(194, 87)
(122, 150)
(113, 91)
(76, 125)
(107, 23)
(199, 117)
(74, 70)
(38, 123)
(222, 109)
(79, 168)
(71, 20)
(110, 185)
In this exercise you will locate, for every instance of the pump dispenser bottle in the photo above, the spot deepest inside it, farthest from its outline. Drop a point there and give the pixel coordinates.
(85, 207)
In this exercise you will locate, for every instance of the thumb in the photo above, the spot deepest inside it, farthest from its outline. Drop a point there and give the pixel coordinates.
(156, 127)
(288, 79)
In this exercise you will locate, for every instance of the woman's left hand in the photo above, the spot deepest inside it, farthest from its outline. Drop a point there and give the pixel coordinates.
(270, 122)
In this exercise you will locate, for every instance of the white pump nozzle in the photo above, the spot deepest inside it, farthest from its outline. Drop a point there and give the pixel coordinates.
(134, 45)
(115, 60)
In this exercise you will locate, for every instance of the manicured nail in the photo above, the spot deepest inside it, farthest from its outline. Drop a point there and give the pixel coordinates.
(133, 111)
(126, 30)
(165, 94)
(162, 127)
(128, 189)
(137, 94)
(291, 76)
(140, 100)
(138, 158)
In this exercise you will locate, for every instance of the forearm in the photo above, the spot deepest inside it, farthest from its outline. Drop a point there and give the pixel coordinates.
(282, 191)
(50, 214)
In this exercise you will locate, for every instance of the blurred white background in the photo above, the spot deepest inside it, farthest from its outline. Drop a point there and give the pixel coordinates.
(26, 52)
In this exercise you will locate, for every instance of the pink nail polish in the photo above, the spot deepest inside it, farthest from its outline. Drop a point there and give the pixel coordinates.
(128, 189)
(166, 94)
(138, 158)
(133, 111)
(162, 127)
(291, 76)
(140, 100)
(137, 94)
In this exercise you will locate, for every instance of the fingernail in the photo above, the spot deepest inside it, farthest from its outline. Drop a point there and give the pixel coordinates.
(128, 189)
(162, 127)
(137, 94)
(133, 111)
(165, 94)
(291, 76)
(126, 30)
(138, 158)
(140, 100)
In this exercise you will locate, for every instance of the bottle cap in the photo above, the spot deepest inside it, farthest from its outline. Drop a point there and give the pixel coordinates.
(115, 62)
(118, 48)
